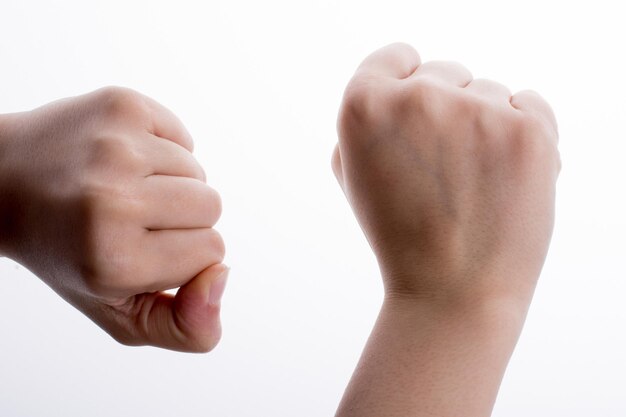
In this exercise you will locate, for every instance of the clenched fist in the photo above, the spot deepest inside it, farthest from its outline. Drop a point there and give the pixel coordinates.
(451, 178)
(103, 200)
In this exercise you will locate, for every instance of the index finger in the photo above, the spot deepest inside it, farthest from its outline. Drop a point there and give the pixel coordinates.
(166, 125)
(398, 60)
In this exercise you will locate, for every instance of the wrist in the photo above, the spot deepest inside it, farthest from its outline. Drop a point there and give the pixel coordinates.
(450, 287)
(487, 310)
(488, 314)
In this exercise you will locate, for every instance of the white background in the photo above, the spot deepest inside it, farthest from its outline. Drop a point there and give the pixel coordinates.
(258, 84)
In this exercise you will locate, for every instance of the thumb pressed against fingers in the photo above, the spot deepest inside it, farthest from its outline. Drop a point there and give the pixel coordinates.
(197, 304)
(189, 321)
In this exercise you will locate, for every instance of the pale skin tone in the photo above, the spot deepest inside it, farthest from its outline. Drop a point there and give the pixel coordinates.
(103, 200)
(451, 178)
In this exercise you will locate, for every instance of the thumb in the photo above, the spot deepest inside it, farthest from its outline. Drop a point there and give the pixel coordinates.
(189, 321)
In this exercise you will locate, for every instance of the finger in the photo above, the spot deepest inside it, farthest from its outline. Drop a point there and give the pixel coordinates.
(491, 90)
(336, 165)
(167, 125)
(173, 257)
(187, 322)
(530, 101)
(179, 203)
(169, 158)
(450, 72)
(397, 60)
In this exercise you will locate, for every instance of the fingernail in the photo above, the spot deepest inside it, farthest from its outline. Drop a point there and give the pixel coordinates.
(217, 288)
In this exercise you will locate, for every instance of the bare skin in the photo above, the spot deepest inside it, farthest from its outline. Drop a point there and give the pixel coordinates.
(452, 180)
(103, 200)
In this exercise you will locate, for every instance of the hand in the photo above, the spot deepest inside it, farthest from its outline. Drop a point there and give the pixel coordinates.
(452, 179)
(103, 200)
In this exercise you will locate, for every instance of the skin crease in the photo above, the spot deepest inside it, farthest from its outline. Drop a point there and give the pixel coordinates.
(453, 183)
(451, 179)
(100, 193)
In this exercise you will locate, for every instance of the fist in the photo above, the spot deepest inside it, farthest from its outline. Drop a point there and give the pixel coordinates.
(103, 200)
(451, 178)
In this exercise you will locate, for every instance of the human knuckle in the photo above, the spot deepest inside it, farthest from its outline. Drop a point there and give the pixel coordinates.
(453, 66)
(359, 100)
(417, 97)
(402, 47)
(491, 84)
(120, 101)
(422, 87)
(528, 93)
(531, 139)
(451, 63)
(120, 95)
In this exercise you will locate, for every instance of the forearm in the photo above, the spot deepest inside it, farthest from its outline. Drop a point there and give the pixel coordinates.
(452, 180)
(423, 360)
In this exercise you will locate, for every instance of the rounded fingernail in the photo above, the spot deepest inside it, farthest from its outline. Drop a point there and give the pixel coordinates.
(217, 288)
